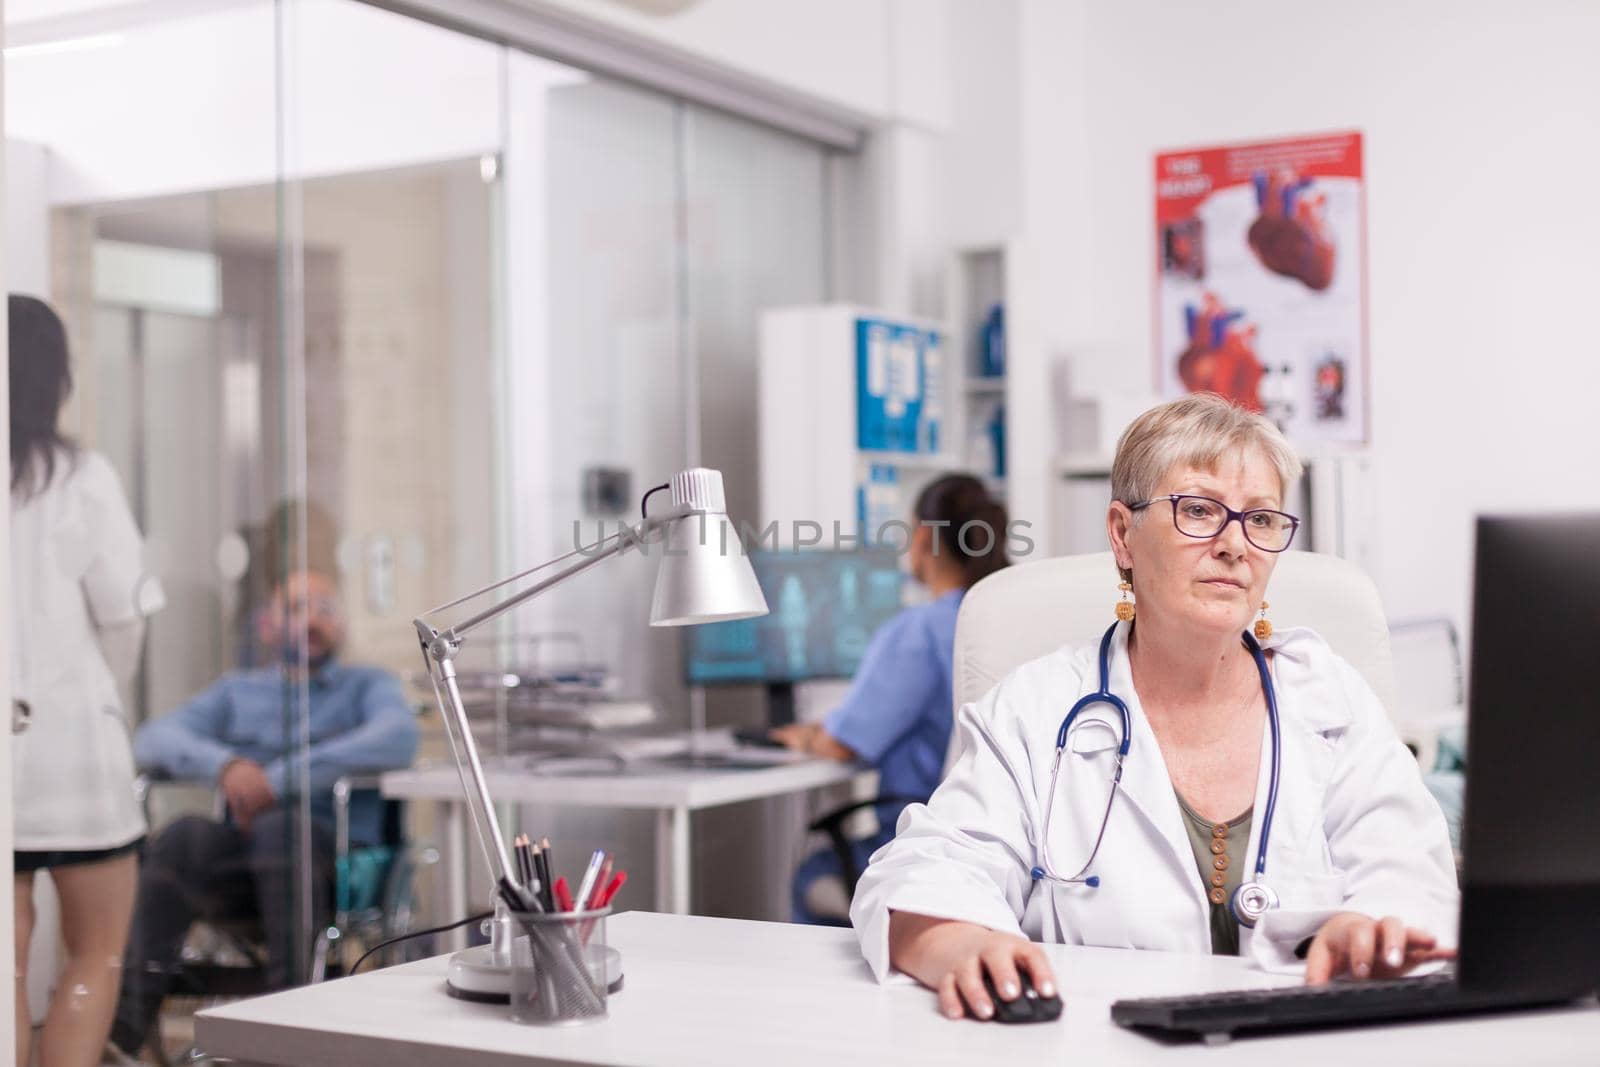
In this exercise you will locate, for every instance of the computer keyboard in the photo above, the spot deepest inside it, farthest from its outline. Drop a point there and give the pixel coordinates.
(756, 737)
(1217, 1016)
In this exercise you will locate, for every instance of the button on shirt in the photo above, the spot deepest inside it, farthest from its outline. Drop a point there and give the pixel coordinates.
(360, 723)
(897, 714)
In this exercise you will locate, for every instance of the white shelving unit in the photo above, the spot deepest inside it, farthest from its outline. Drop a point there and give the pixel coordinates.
(977, 284)
(812, 466)
(1083, 465)
(936, 460)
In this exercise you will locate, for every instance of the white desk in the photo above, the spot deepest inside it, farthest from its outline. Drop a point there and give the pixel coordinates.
(722, 991)
(672, 792)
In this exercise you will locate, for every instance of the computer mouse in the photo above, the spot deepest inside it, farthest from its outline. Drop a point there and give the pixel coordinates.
(1027, 1007)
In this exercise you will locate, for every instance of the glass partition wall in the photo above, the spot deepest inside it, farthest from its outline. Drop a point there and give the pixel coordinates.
(354, 296)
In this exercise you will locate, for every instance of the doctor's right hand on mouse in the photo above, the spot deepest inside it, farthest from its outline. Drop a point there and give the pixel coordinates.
(951, 957)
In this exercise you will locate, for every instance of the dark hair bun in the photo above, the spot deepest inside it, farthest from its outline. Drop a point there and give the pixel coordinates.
(968, 521)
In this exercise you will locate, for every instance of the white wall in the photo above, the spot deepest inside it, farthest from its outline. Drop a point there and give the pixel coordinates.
(195, 110)
(27, 217)
(899, 65)
(983, 140)
(881, 58)
(1482, 144)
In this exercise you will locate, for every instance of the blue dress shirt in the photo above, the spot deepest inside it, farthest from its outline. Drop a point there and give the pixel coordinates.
(360, 723)
(898, 714)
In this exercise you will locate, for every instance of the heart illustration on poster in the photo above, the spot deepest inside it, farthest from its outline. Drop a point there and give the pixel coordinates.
(1261, 283)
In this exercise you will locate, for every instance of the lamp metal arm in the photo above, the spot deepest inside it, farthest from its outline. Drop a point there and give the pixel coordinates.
(628, 536)
(439, 649)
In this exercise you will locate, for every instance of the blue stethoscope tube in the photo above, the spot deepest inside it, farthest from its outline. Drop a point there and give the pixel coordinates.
(1253, 898)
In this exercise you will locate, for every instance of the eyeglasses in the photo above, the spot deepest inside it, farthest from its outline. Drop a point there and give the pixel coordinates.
(1201, 517)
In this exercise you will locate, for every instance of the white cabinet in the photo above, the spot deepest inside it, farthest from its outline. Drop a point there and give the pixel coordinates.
(859, 409)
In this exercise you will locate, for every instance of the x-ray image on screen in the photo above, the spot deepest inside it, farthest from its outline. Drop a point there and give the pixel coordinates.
(824, 608)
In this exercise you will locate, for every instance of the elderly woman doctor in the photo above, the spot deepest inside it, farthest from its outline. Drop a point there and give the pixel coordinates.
(1220, 787)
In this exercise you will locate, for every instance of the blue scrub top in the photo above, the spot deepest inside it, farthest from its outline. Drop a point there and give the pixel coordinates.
(898, 714)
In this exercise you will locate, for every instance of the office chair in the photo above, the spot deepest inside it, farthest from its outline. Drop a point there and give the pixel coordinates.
(1026, 611)
(833, 824)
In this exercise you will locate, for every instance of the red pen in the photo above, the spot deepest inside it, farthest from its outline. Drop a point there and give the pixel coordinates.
(563, 894)
(611, 890)
(602, 898)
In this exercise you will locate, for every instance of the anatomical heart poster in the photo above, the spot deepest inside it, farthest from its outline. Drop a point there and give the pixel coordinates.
(1261, 281)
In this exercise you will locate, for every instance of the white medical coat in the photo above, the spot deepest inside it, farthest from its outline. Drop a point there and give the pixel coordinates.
(1354, 828)
(77, 567)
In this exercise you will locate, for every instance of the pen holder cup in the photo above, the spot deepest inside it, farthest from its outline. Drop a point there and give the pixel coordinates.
(558, 967)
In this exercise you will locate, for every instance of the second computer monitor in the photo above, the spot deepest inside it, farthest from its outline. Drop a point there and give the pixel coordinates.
(823, 609)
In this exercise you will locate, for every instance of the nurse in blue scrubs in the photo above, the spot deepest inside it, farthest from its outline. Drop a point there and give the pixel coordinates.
(897, 714)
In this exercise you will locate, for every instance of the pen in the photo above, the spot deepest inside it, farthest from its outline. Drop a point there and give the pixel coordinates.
(611, 890)
(586, 887)
(603, 897)
(593, 900)
(563, 895)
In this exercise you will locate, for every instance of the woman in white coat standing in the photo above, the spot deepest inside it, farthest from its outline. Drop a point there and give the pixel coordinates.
(1025, 841)
(79, 595)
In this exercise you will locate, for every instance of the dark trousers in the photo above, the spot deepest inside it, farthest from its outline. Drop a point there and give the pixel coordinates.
(198, 868)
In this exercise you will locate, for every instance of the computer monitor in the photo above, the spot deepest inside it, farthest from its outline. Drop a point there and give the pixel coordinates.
(1530, 912)
(824, 608)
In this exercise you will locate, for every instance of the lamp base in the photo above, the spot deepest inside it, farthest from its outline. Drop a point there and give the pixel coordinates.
(474, 975)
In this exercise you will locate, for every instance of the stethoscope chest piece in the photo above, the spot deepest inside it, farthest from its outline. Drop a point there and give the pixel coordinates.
(1251, 901)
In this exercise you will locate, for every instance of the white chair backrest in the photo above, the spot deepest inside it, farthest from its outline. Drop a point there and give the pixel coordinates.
(1028, 610)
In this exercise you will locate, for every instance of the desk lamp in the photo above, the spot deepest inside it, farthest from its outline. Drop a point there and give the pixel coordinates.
(703, 576)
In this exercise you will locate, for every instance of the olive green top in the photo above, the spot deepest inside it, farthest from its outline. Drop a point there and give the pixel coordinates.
(1232, 860)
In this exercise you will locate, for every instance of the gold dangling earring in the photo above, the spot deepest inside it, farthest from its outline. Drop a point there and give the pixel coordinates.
(1125, 608)
(1263, 624)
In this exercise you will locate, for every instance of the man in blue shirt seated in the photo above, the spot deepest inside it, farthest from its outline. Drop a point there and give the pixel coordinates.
(242, 734)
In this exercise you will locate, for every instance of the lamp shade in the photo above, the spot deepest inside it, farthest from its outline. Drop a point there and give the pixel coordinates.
(704, 575)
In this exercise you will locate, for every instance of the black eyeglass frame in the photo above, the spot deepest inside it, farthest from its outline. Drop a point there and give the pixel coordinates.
(1232, 516)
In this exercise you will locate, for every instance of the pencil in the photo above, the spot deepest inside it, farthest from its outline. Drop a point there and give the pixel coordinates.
(541, 867)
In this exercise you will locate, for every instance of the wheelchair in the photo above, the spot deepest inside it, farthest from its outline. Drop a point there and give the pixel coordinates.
(374, 900)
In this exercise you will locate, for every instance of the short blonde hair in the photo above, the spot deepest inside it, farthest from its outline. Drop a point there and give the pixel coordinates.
(1196, 431)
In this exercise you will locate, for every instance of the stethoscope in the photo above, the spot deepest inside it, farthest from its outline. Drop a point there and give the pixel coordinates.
(1253, 898)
